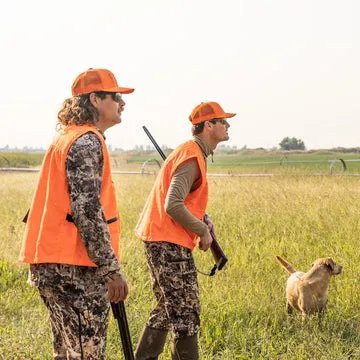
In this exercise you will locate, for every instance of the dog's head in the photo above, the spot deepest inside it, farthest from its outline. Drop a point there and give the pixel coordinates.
(329, 263)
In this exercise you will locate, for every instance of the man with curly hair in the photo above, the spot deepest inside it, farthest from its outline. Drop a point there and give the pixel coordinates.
(72, 232)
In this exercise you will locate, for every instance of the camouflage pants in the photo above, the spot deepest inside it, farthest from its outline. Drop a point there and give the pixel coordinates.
(174, 280)
(79, 320)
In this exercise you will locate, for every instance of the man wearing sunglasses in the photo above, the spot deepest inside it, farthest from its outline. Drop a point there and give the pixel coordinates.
(72, 232)
(169, 226)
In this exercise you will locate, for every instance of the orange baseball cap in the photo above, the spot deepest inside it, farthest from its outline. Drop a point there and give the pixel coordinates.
(97, 80)
(208, 111)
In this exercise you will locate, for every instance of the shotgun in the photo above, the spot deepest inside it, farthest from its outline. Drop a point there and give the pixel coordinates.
(119, 313)
(216, 250)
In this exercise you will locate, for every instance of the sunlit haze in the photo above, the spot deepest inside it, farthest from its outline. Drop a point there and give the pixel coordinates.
(287, 68)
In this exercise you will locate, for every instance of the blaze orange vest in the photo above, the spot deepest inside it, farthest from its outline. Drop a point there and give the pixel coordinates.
(49, 236)
(154, 223)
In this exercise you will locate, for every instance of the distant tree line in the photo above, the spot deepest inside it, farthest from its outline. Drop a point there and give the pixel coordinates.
(287, 143)
(293, 143)
(24, 149)
(346, 150)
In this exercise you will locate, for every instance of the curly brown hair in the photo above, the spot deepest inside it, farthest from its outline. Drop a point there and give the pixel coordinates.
(78, 110)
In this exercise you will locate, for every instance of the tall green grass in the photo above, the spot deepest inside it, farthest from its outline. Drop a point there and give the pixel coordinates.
(243, 306)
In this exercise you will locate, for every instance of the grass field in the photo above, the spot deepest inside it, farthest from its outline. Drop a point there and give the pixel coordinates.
(241, 161)
(243, 306)
(262, 161)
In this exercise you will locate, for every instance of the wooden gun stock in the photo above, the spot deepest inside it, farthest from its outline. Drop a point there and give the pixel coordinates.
(120, 315)
(216, 250)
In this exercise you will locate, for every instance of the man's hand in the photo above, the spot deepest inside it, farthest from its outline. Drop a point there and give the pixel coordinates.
(209, 223)
(205, 241)
(117, 288)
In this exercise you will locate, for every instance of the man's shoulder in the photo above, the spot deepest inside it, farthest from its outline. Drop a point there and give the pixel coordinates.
(87, 140)
(186, 151)
(85, 147)
(190, 144)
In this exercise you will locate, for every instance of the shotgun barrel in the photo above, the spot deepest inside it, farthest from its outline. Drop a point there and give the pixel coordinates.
(119, 313)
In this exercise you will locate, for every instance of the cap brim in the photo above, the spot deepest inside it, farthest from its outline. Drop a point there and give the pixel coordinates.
(121, 90)
(211, 117)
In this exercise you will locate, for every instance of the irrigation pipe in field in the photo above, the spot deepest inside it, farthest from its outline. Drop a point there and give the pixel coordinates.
(208, 174)
(136, 172)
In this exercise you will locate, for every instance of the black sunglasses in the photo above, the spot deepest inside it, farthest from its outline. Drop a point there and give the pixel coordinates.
(116, 96)
(221, 121)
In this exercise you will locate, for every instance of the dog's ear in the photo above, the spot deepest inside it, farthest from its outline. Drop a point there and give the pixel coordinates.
(330, 263)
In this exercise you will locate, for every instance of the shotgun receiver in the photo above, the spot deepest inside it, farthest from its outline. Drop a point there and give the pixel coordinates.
(216, 250)
(119, 313)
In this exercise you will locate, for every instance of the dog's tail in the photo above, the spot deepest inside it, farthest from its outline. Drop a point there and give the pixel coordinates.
(288, 267)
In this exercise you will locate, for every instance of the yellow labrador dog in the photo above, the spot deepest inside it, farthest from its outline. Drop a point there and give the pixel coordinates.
(307, 292)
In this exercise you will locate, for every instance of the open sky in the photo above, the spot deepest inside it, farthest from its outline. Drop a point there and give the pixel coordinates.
(286, 67)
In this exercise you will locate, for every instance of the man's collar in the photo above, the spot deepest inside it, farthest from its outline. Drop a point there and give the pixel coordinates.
(101, 132)
(205, 148)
